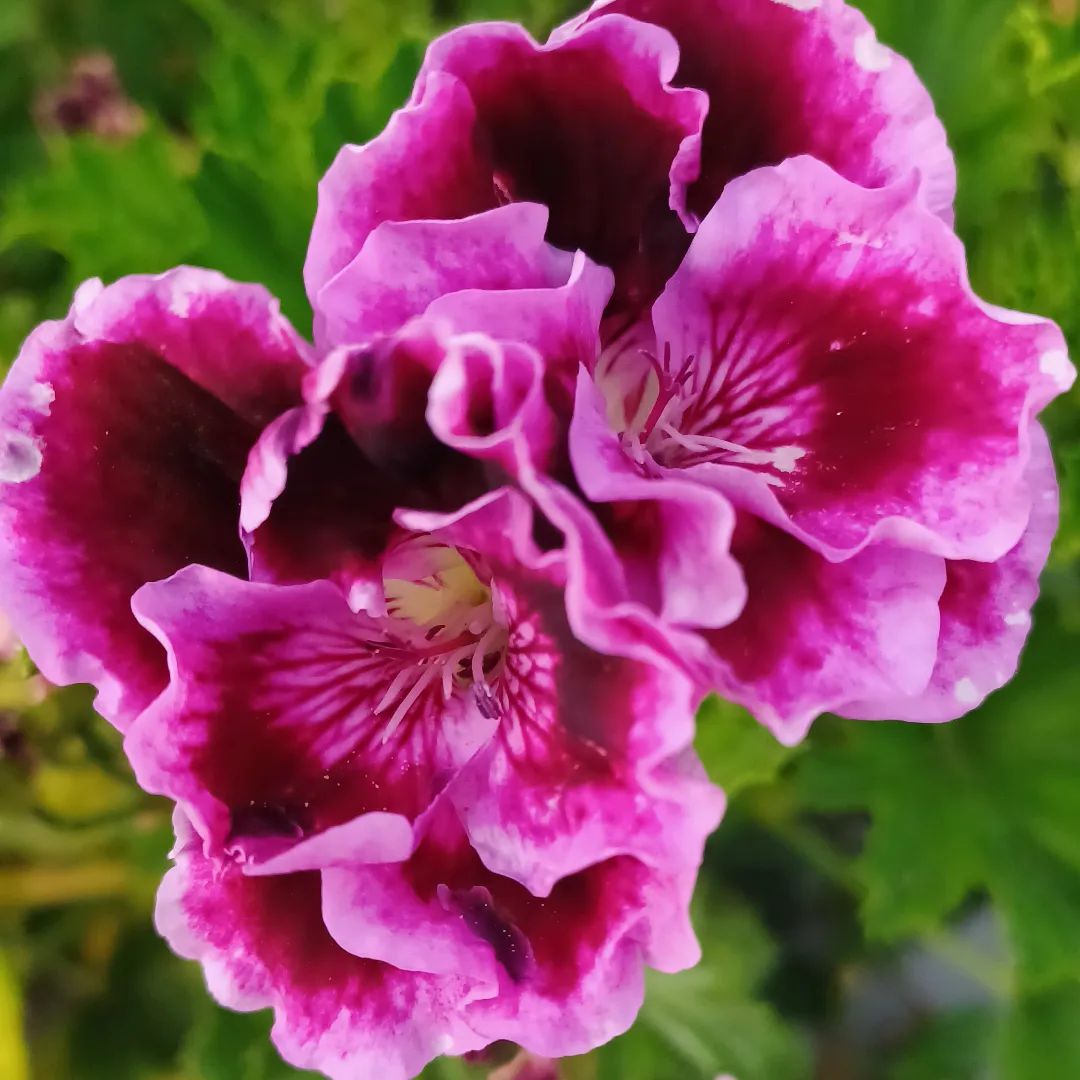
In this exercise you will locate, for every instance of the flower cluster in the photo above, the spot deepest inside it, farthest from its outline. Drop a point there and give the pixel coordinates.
(645, 365)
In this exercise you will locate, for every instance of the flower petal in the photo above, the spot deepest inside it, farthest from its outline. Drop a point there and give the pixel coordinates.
(672, 536)
(269, 734)
(323, 482)
(985, 614)
(424, 165)
(591, 755)
(125, 430)
(817, 636)
(836, 325)
(588, 128)
(404, 266)
(786, 78)
(558, 975)
(262, 943)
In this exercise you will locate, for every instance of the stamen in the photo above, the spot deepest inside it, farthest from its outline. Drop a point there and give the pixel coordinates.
(782, 458)
(446, 630)
(429, 674)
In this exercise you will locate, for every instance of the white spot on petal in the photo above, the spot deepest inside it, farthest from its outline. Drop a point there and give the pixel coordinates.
(864, 240)
(40, 396)
(20, 458)
(967, 693)
(444, 1044)
(800, 5)
(929, 306)
(1056, 365)
(870, 54)
(1017, 618)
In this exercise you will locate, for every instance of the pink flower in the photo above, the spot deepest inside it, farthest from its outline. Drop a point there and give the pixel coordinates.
(820, 364)
(425, 803)
(297, 733)
(124, 431)
(373, 971)
(627, 125)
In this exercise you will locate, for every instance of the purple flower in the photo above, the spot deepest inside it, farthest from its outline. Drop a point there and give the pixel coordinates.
(375, 970)
(297, 733)
(646, 364)
(628, 124)
(820, 364)
(124, 432)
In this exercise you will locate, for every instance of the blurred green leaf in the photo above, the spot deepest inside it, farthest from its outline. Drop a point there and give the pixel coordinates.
(990, 800)
(1041, 1037)
(14, 1063)
(708, 1021)
(736, 750)
(18, 20)
(247, 239)
(225, 1045)
(109, 209)
(954, 1046)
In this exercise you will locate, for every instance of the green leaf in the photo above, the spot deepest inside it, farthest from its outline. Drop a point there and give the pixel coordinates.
(708, 1021)
(14, 1063)
(1041, 1036)
(109, 210)
(955, 1046)
(252, 234)
(226, 1045)
(18, 20)
(990, 801)
(736, 750)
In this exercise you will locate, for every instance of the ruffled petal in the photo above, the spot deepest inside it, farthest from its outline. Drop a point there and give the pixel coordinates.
(488, 401)
(590, 757)
(557, 975)
(817, 636)
(985, 614)
(272, 734)
(324, 481)
(263, 944)
(589, 128)
(124, 434)
(672, 536)
(838, 377)
(791, 77)
(404, 266)
(424, 165)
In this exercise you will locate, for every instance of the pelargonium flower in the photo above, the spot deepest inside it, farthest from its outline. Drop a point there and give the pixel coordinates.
(792, 77)
(124, 432)
(820, 363)
(627, 125)
(375, 970)
(297, 733)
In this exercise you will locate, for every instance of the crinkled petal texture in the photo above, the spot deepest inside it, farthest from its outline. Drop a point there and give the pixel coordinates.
(125, 431)
(591, 757)
(985, 613)
(557, 975)
(406, 314)
(670, 537)
(263, 943)
(817, 636)
(588, 127)
(838, 377)
(270, 734)
(450, 269)
(792, 77)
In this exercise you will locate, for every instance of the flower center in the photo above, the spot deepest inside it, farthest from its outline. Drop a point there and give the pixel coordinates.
(444, 626)
(684, 413)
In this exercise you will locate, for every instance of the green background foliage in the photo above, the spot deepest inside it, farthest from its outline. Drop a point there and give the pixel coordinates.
(886, 901)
